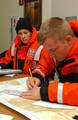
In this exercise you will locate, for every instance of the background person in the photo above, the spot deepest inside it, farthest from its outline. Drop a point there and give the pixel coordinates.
(25, 52)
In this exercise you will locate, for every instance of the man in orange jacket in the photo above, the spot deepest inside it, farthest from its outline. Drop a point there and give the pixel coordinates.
(26, 53)
(60, 41)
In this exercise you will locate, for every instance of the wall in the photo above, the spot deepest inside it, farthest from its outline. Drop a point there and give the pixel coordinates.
(46, 9)
(8, 8)
(63, 8)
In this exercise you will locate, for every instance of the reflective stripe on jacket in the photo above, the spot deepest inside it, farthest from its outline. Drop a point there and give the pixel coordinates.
(32, 57)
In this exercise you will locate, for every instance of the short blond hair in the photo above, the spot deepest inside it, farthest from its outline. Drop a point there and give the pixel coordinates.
(55, 27)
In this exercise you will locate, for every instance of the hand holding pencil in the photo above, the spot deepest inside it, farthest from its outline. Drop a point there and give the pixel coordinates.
(34, 90)
(32, 81)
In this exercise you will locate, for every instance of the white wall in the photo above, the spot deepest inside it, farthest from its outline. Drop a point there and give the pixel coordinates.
(46, 9)
(8, 8)
(63, 8)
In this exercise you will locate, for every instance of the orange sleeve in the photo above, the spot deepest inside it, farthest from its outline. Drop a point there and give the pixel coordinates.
(52, 91)
(69, 93)
(46, 63)
(7, 58)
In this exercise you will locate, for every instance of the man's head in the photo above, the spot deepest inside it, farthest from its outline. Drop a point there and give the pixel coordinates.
(24, 29)
(57, 37)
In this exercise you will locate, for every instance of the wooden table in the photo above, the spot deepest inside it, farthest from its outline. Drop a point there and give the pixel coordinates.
(6, 110)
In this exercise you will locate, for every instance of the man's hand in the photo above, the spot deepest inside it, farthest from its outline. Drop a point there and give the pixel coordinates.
(32, 82)
(33, 94)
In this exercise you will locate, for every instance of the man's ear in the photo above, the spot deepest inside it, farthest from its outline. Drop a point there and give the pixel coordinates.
(69, 39)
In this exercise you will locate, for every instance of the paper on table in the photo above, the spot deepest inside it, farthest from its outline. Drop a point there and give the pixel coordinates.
(38, 115)
(45, 115)
(26, 113)
(12, 92)
(5, 117)
(24, 106)
(49, 115)
(54, 105)
(13, 87)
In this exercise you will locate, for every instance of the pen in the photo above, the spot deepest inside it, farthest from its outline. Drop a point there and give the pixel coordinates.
(30, 72)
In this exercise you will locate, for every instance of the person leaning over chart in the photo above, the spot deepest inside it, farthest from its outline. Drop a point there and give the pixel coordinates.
(25, 52)
(60, 41)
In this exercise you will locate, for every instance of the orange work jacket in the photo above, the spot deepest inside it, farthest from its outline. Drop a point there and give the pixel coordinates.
(74, 26)
(25, 56)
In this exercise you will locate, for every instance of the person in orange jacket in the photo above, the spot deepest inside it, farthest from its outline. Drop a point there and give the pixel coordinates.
(25, 52)
(74, 26)
(61, 43)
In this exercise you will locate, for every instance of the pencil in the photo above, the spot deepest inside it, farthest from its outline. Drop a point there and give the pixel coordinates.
(30, 72)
